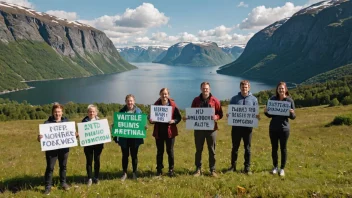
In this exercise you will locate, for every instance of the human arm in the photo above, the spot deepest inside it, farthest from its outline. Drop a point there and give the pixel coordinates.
(177, 116)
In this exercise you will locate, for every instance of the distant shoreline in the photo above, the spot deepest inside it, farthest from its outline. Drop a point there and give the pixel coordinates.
(7, 91)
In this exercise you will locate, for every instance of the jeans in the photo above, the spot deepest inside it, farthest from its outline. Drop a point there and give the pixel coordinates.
(237, 134)
(199, 137)
(51, 157)
(126, 151)
(93, 152)
(170, 142)
(277, 136)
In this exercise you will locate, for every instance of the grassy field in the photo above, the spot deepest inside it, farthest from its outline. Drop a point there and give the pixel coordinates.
(319, 163)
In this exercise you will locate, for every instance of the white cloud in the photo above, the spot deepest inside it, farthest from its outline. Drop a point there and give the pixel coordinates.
(144, 16)
(242, 4)
(24, 3)
(261, 16)
(241, 39)
(70, 16)
(218, 31)
(132, 25)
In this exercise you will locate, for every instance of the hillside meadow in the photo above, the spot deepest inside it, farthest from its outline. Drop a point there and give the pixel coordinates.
(319, 163)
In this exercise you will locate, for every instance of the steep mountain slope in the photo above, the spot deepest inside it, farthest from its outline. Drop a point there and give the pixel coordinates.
(315, 40)
(38, 46)
(196, 54)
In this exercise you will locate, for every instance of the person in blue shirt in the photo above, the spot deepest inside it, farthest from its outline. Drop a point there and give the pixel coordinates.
(244, 97)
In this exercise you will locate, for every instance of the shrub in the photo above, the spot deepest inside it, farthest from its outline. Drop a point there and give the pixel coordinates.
(334, 102)
(342, 120)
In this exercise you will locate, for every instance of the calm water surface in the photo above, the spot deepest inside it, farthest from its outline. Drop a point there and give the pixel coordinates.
(145, 83)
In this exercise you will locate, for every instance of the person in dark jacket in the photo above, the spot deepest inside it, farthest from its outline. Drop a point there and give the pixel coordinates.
(244, 97)
(129, 145)
(53, 155)
(206, 100)
(165, 133)
(93, 151)
(279, 129)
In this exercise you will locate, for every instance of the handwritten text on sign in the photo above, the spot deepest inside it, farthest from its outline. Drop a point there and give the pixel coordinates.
(281, 108)
(94, 132)
(160, 113)
(129, 125)
(200, 118)
(243, 115)
(57, 135)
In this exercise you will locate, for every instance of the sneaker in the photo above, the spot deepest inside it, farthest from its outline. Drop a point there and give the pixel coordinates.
(231, 169)
(89, 183)
(274, 171)
(65, 186)
(124, 177)
(47, 190)
(282, 173)
(247, 171)
(159, 173)
(134, 175)
(95, 181)
(197, 173)
(213, 174)
(171, 173)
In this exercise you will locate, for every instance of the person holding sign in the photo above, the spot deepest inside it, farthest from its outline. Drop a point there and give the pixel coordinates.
(279, 129)
(165, 133)
(93, 151)
(238, 132)
(206, 100)
(129, 145)
(53, 155)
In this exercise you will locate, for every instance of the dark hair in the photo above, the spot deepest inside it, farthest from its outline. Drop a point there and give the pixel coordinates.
(284, 84)
(243, 82)
(164, 89)
(56, 106)
(204, 83)
(130, 96)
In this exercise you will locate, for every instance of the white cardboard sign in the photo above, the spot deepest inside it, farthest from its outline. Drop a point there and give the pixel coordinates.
(160, 113)
(94, 132)
(281, 108)
(57, 135)
(200, 118)
(243, 115)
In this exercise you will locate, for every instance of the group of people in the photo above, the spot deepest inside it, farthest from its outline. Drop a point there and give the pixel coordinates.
(165, 133)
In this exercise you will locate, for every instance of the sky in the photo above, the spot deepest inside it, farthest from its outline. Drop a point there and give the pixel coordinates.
(166, 22)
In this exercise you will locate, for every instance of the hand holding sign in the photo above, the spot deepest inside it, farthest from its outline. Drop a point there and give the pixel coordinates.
(159, 113)
(243, 115)
(281, 108)
(57, 135)
(94, 132)
(200, 118)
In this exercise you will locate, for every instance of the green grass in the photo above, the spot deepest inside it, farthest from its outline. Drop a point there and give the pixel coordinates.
(319, 163)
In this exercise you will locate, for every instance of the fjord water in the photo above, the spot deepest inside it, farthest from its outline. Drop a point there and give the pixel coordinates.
(145, 83)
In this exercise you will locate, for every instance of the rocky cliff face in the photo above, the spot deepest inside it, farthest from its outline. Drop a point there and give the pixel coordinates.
(80, 49)
(315, 40)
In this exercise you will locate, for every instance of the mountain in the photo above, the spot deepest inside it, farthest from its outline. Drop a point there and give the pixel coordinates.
(142, 53)
(172, 53)
(233, 50)
(38, 46)
(130, 53)
(195, 54)
(315, 40)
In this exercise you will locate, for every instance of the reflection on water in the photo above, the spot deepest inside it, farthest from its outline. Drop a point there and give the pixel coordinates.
(145, 83)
